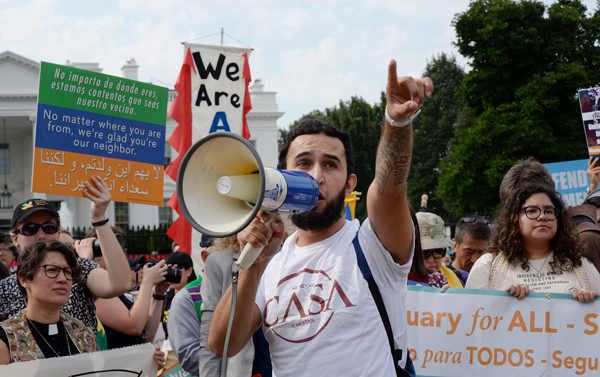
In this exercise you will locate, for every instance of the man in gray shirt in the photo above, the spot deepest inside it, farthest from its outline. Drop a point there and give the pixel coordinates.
(184, 326)
(217, 278)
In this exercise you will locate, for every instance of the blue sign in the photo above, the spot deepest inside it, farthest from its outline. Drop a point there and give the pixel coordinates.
(570, 180)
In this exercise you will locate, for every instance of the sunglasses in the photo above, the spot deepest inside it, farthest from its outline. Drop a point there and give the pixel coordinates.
(469, 220)
(437, 254)
(31, 229)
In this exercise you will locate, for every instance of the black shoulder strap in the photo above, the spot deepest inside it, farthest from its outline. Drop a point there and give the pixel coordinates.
(366, 272)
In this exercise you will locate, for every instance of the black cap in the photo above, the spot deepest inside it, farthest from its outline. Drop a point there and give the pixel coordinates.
(179, 258)
(26, 209)
(134, 262)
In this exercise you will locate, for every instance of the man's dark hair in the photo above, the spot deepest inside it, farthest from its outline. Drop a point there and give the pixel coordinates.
(312, 127)
(34, 254)
(477, 229)
(595, 201)
(526, 172)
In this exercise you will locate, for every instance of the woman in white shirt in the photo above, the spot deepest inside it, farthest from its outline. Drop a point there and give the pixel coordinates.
(535, 249)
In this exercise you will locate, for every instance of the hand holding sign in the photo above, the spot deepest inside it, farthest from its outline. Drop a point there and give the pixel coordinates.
(99, 196)
(593, 172)
(519, 291)
(583, 295)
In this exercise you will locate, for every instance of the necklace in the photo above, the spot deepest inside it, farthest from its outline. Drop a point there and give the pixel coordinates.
(539, 274)
(40, 334)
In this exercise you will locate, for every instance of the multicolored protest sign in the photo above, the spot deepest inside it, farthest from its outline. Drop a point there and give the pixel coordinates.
(467, 332)
(92, 124)
(137, 361)
(589, 101)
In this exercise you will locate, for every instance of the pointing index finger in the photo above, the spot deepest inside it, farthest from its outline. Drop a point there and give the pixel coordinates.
(392, 75)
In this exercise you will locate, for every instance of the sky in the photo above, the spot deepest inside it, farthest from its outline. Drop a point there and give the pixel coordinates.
(313, 53)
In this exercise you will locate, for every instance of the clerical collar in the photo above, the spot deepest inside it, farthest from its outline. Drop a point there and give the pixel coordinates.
(46, 328)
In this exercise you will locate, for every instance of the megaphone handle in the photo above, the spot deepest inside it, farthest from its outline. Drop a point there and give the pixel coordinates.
(250, 253)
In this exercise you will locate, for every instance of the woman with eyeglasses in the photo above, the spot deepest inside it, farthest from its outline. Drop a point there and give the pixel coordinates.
(535, 249)
(46, 273)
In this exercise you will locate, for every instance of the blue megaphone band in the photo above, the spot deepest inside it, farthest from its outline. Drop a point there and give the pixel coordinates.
(302, 192)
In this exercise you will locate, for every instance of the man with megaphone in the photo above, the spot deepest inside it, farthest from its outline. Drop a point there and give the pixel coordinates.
(316, 308)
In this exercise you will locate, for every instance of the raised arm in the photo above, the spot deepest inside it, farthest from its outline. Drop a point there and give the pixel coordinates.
(387, 203)
(115, 280)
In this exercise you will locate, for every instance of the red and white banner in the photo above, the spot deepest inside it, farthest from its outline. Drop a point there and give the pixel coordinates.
(212, 96)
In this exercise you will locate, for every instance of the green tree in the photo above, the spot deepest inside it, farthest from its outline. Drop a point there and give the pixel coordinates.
(526, 68)
(434, 130)
(363, 122)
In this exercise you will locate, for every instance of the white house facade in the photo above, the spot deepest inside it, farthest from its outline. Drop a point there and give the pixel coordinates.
(18, 104)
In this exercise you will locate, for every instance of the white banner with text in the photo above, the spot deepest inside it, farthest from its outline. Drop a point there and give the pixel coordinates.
(466, 332)
(135, 361)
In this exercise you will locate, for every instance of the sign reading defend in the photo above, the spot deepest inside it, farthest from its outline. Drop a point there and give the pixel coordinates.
(92, 124)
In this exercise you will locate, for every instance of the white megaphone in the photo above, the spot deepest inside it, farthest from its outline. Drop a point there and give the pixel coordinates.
(222, 184)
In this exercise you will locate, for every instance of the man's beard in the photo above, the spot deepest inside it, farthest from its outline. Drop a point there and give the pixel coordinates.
(317, 221)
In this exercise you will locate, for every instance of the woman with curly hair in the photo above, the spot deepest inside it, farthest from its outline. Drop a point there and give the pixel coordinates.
(535, 249)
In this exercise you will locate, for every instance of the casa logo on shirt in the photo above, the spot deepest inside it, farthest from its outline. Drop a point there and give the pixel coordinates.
(305, 304)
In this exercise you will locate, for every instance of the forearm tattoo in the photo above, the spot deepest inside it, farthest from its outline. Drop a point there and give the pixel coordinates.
(393, 156)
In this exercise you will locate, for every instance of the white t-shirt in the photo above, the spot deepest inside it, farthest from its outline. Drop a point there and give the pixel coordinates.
(549, 281)
(318, 313)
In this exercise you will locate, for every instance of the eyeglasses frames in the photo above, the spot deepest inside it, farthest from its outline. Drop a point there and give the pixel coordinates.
(52, 271)
(31, 229)
(533, 213)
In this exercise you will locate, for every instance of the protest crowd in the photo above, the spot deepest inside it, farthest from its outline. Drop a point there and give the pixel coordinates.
(61, 297)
